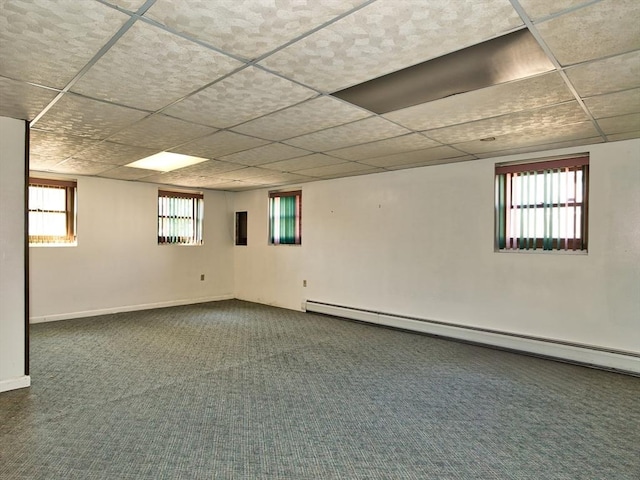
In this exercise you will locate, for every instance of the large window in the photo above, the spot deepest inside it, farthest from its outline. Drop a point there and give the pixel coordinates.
(180, 218)
(52, 212)
(285, 214)
(543, 205)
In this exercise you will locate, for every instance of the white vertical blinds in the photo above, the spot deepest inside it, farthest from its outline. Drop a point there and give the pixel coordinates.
(180, 218)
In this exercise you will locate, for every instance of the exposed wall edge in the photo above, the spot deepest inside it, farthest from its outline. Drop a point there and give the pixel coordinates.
(127, 308)
(15, 383)
(624, 362)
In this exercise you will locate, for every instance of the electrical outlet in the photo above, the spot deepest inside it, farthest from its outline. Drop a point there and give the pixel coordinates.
(304, 283)
(202, 277)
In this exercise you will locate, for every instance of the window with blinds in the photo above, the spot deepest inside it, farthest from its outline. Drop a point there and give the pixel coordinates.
(285, 215)
(543, 205)
(52, 212)
(180, 218)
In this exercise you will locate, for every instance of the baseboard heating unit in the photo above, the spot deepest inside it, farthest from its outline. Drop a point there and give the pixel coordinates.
(621, 361)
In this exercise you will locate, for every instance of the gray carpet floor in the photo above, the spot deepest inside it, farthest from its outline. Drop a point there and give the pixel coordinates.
(235, 390)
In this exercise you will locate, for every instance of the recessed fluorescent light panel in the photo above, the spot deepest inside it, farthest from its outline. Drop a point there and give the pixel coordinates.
(166, 162)
(503, 59)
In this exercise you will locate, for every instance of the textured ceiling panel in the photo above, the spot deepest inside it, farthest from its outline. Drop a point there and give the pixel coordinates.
(605, 28)
(339, 170)
(532, 137)
(614, 104)
(146, 69)
(418, 156)
(276, 179)
(49, 42)
(362, 131)
(161, 132)
(219, 144)
(430, 163)
(126, 173)
(488, 102)
(621, 124)
(541, 148)
(612, 74)
(132, 5)
(537, 9)
(48, 149)
(210, 168)
(405, 143)
(265, 154)
(389, 35)
(84, 117)
(316, 114)
(21, 100)
(245, 95)
(249, 28)
(301, 163)
(623, 136)
(82, 167)
(556, 115)
(114, 153)
(245, 173)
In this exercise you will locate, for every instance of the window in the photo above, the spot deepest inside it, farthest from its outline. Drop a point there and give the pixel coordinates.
(285, 212)
(180, 218)
(52, 212)
(542, 205)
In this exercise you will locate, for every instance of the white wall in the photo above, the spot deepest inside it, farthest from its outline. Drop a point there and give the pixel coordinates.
(12, 237)
(420, 243)
(117, 264)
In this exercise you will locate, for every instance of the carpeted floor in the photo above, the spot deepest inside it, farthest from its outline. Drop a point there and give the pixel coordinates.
(235, 390)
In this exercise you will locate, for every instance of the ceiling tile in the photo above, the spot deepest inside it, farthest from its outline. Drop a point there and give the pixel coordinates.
(430, 163)
(623, 136)
(614, 104)
(114, 153)
(219, 144)
(556, 115)
(245, 173)
(346, 169)
(21, 100)
(604, 28)
(541, 148)
(418, 156)
(362, 131)
(245, 95)
(390, 146)
(87, 118)
(610, 75)
(161, 132)
(621, 124)
(132, 5)
(127, 173)
(47, 149)
(249, 28)
(265, 154)
(532, 137)
(316, 114)
(74, 166)
(146, 69)
(48, 45)
(210, 168)
(276, 179)
(388, 35)
(537, 9)
(177, 179)
(489, 102)
(301, 163)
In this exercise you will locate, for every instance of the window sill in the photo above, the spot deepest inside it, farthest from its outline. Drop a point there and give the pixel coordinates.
(539, 251)
(39, 245)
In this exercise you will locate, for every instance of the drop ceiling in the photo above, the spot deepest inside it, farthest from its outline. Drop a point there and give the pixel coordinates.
(249, 85)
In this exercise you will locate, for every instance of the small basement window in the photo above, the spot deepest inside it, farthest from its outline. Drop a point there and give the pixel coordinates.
(180, 216)
(285, 218)
(52, 212)
(542, 205)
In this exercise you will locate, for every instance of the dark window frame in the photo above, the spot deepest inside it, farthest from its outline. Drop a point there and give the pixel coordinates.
(169, 231)
(70, 188)
(275, 237)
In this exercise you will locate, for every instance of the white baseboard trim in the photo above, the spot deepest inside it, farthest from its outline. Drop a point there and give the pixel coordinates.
(15, 383)
(127, 308)
(627, 362)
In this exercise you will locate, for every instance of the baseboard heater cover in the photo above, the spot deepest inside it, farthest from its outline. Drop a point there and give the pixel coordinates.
(624, 362)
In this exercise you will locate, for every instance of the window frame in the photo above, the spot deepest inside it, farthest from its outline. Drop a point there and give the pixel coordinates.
(196, 236)
(274, 239)
(71, 206)
(504, 174)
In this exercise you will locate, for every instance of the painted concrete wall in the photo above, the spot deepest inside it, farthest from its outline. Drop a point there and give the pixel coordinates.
(420, 242)
(117, 264)
(12, 288)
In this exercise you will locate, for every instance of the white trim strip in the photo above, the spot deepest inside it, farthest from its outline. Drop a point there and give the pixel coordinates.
(547, 348)
(15, 383)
